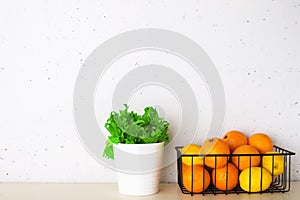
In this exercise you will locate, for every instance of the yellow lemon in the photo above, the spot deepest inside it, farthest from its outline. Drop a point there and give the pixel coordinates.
(191, 149)
(273, 163)
(259, 179)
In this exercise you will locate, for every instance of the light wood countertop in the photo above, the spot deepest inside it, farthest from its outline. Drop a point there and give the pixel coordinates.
(90, 191)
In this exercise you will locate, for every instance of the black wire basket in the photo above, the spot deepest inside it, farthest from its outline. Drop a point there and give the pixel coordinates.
(280, 183)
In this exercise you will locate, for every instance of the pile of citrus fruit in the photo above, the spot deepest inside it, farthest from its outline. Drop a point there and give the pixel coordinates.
(230, 161)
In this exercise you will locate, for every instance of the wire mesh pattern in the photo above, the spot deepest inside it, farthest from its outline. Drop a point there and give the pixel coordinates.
(280, 183)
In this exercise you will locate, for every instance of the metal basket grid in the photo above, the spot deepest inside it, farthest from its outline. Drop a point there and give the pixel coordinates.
(279, 184)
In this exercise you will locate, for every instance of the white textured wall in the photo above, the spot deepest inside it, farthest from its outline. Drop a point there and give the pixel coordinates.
(255, 46)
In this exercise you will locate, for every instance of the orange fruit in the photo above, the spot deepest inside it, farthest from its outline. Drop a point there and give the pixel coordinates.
(214, 146)
(234, 139)
(193, 181)
(191, 149)
(242, 161)
(227, 175)
(262, 142)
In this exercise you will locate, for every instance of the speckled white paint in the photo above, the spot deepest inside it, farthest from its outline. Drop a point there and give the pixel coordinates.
(255, 46)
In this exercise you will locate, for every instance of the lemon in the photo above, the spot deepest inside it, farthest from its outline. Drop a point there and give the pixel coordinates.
(191, 149)
(273, 163)
(255, 179)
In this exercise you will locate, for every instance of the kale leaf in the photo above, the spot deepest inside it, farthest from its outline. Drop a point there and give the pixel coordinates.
(131, 128)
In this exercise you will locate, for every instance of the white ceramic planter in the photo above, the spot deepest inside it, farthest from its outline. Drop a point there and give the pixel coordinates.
(139, 167)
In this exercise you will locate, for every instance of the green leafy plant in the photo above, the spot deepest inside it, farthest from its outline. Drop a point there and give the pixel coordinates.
(131, 128)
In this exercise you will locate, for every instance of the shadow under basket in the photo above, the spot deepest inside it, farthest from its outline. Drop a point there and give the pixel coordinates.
(280, 183)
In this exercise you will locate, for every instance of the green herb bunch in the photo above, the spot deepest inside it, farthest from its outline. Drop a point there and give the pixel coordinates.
(130, 128)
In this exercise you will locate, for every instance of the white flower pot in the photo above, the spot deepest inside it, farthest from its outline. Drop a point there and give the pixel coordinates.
(139, 167)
